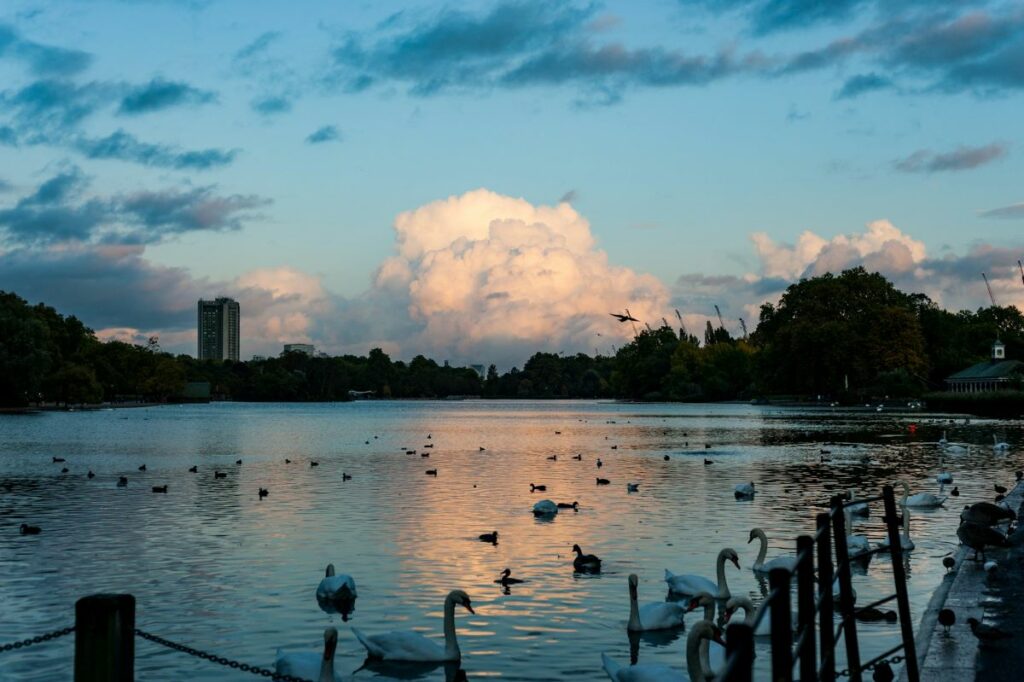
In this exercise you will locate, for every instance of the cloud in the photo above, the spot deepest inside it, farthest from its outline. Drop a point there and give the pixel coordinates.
(270, 105)
(860, 84)
(160, 94)
(1010, 212)
(126, 147)
(41, 60)
(199, 209)
(961, 158)
(250, 53)
(326, 133)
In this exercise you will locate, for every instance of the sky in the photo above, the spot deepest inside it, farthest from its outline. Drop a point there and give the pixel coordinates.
(479, 181)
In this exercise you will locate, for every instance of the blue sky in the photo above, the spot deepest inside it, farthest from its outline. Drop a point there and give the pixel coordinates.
(152, 152)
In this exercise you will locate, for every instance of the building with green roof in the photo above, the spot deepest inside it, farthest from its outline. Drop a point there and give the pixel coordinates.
(996, 374)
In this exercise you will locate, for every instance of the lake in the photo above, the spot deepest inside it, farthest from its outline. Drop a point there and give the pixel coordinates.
(215, 567)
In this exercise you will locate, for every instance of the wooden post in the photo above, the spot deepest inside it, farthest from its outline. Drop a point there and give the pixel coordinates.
(739, 643)
(782, 625)
(806, 608)
(825, 613)
(105, 638)
(899, 575)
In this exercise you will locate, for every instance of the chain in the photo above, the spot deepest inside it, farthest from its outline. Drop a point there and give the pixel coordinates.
(845, 672)
(13, 646)
(219, 660)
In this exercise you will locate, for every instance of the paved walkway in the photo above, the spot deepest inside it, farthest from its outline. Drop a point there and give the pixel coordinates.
(991, 598)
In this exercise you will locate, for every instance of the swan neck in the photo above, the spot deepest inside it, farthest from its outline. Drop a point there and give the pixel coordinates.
(709, 611)
(698, 662)
(451, 644)
(723, 586)
(763, 551)
(634, 611)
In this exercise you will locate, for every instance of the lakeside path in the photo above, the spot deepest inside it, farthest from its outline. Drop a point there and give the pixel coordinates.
(971, 592)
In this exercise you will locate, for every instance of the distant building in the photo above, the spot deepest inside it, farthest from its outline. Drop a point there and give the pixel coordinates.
(259, 358)
(998, 374)
(218, 324)
(306, 348)
(479, 369)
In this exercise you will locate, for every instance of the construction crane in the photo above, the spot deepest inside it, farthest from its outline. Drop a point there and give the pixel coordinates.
(682, 327)
(721, 322)
(667, 325)
(743, 325)
(1021, 272)
(989, 287)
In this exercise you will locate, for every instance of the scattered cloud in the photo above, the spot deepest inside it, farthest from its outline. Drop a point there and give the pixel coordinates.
(861, 84)
(328, 133)
(569, 197)
(1013, 211)
(126, 147)
(160, 94)
(961, 158)
(41, 60)
(269, 105)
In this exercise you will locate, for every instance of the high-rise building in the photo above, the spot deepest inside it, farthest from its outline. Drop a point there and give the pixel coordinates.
(218, 329)
(307, 348)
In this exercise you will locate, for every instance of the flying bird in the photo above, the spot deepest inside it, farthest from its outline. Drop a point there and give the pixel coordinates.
(624, 318)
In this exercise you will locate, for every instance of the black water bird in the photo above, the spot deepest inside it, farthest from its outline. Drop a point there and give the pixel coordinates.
(949, 562)
(287, 461)
(999, 498)
(553, 458)
(873, 615)
(541, 488)
(999, 488)
(429, 436)
(424, 454)
(160, 488)
(666, 458)
(142, 468)
(558, 433)
(615, 447)
(978, 537)
(65, 470)
(585, 562)
(599, 463)
(314, 464)
(30, 530)
(193, 469)
(707, 446)
(947, 619)
(603, 481)
(429, 445)
(410, 452)
(366, 443)
(220, 474)
(707, 462)
(431, 472)
(122, 481)
(58, 459)
(955, 492)
(263, 493)
(482, 448)
(90, 474)
(491, 537)
(987, 633)
(578, 457)
(566, 505)
(506, 578)
(345, 477)
(238, 461)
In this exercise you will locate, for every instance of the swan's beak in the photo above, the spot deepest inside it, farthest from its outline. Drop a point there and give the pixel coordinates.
(751, 539)
(692, 606)
(717, 636)
(736, 562)
(727, 617)
(469, 608)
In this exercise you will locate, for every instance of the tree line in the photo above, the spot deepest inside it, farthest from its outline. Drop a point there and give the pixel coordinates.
(847, 337)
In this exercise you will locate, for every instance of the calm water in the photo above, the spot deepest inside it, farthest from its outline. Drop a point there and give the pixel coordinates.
(213, 566)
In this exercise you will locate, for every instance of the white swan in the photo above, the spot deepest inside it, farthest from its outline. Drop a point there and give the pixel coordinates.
(308, 665)
(760, 565)
(942, 441)
(545, 508)
(954, 448)
(944, 478)
(690, 584)
(836, 593)
(744, 491)
(697, 664)
(413, 647)
(661, 615)
(926, 500)
(859, 509)
(997, 445)
(714, 650)
(855, 544)
(905, 542)
(764, 628)
(340, 587)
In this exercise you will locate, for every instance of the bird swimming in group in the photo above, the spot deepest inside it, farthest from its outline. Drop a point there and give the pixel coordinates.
(707, 461)
(698, 664)
(336, 587)
(491, 537)
(506, 579)
(578, 456)
(691, 585)
(345, 477)
(238, 461)
(263, 492)
(309, 665)
(193, 469)
(122, 481)
(220, 474)
(431, 472)
(57, 460)
(314, 464)
(599, 463)
(927, 500)
(568, 505)
(90, 474)
(545, 508)
(666, 458)
(553, 458)
(999, 488)
(412, 647)
(999, 446)
(30, 530)
(662, 615)
(65, 470)
(142, 468)
(286, 461)
(603, 481)
(160, 488)
(632, 487)
(585, 563)
(541, 488)
(744, 491)
(955, 492)
(762, 566)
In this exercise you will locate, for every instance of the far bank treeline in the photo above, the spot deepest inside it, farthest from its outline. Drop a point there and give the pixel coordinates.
(850, 337)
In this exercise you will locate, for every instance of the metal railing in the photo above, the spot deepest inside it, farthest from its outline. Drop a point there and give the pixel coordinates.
(816, 616)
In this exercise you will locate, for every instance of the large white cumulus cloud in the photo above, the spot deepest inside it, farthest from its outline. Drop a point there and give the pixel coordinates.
(490, 278)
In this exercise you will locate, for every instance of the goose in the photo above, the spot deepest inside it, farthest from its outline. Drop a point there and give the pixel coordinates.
(545, 508)
(575, 506)
(999, 446)
(585, 563)
(413, 647)
(336, 587)
(662, 615)
(506, 578)
(905, 542)
(858, 509)
(744, 491)
(925, 500)
(542, 488)
(762, 566)
(309, 665)
(632, 487)
(698, 663)
(491, 537)
(750, 614)
(690, 584)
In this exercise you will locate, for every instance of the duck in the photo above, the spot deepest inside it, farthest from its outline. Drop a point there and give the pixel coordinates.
(955, 492)
(1001, 489)
(431, 472)
(314, 464)
(578, 457)
(662, 615)
(90, 475)
(220, 474)
(30, 530)
(599, 463)
(160, 488)
(142, 468)
(545, 508)
(691, 585)
(193, 469)
(412, 647)
(345, 477)
(632, 487)
(263, 492)
(762, 566)
(603, 481)
(506, 579)
(309, 665)
(905, 542)
(923, 500)
(698, 663)
(122, 481)
(744, 491)
(999, 446)
(336, 586)
(238, 461)
(287, 461)
(491, 537)
(542, 488)
(575, 506)
(585, 563)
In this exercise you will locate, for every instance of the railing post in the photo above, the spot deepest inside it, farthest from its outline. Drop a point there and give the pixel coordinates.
(782, 625)
(825, 612)
(105, 638)
(899, 575)
(805, 608)
(845, 590)
(739, 647)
